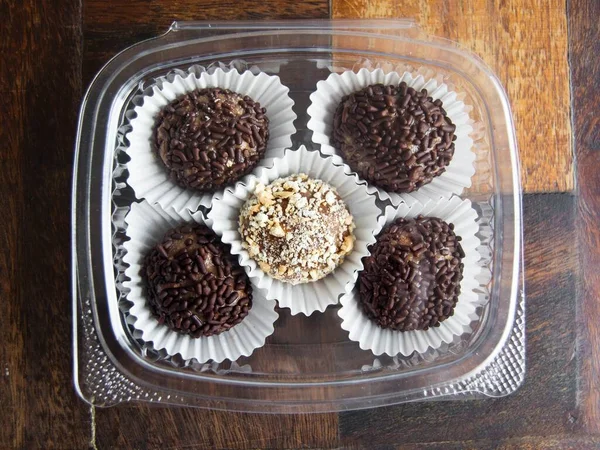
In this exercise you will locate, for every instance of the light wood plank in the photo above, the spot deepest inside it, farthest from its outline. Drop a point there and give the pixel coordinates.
(525, 43)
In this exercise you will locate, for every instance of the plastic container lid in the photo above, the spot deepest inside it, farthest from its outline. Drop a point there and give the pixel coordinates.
(308, 364)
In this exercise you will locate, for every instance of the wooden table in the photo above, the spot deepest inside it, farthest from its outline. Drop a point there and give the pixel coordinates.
(49, 55)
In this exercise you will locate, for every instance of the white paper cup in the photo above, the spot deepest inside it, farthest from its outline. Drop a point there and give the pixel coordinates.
(146, 226)
(147, 174)
(371, 337)
(314, 296)
(329, 93)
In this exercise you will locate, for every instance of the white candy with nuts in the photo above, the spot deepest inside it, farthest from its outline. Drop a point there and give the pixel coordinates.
(297, 229)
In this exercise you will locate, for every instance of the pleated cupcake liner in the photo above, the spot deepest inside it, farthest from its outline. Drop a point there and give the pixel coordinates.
(147, 174)
(368, 218)
(329, 93)
(146, 226)
(386, 341)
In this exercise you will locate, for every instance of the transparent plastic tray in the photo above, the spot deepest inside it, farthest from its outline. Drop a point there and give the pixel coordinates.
(308, 364)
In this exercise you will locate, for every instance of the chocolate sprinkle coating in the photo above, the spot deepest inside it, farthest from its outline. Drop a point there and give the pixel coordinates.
(412, 279)
(393, 136)
(209, 138)
(195, 286)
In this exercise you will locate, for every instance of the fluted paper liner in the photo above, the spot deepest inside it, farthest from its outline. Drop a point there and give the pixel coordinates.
(371, 337)
(146, 226)
(329, 93)
(317, 295)
(147, 174)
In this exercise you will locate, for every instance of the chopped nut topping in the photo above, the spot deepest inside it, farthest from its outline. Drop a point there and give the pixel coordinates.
(298, 229)
(330, 197)
(277, 231)
(348, 244)
(264, 266)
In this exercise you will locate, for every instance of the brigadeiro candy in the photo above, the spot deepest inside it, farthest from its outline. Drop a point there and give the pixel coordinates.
(297, 228)
(411, 280)
(194, 285)
(394, 137)
(209, 138)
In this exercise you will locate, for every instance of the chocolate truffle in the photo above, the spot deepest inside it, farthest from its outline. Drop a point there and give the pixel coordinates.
(297, 229)
(212, 137)
(195, 286)
(411, 280)
(393, 136)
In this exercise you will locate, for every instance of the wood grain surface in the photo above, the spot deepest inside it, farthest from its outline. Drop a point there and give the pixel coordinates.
(555, 442)
(41, 75)
(136, 427)
(525, 44)
(109, 30)
(585, 66)
(40, 81)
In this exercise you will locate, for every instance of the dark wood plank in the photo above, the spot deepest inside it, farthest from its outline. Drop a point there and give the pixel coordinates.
(560, 442)
(547, 402)
(40, 80)
(107, 31)
(175, 428)
(110, 30)
(585, 75)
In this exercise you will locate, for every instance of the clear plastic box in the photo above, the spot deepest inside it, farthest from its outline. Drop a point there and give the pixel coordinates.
(308, 364)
